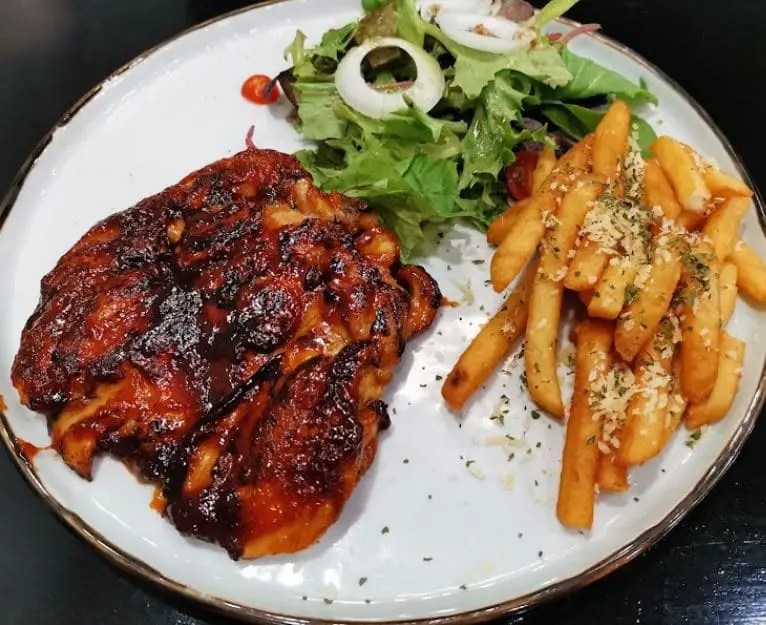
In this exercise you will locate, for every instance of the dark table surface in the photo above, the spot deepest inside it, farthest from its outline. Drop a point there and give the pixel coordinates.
(710, 569)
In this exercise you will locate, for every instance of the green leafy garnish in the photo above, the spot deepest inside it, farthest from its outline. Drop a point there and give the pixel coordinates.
(589, 80)
(420, 169)
(474, 69)
(496, 127)
(578, 121)
(371, 5)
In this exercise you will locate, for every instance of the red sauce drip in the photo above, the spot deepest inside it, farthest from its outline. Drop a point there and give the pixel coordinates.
(158, 502)
(260, 89)
(28, 450)
(450, 303)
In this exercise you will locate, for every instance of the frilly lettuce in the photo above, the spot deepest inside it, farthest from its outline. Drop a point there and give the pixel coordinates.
(418, 169)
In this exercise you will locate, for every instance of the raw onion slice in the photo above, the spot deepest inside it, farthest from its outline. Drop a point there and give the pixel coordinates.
(466, 29)
(429, 9)
(425, 92)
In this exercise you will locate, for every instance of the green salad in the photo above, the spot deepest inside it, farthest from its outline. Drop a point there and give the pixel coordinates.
(420, 115)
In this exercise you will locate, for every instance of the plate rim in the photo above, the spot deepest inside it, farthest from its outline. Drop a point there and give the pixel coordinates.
(134, 566)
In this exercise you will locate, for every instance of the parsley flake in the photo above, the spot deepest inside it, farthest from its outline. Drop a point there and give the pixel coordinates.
(693, 438)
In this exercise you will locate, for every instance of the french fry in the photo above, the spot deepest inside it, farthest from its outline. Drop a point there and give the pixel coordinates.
(586, 267)
(547, 293)
(611, 477)
(609, 293)
(680, 168)
(659, 192)
(610, 143)
(700, 322)
(676, 408)
(696, 382)
(751, 271)
(540, 350)
(722, 184)
(729, 374)
(723, 225)
(546, 162)
(501, 225)
(520, 243)
(577, 493)
(578, 159)
(640, 318)
(585, 297)
(524, 236)
(728, 287)
(644, 432)
(664, 315)
(491, 345)
(719, 182)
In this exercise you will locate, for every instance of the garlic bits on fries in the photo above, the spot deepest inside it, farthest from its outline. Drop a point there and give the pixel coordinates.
(651, 248)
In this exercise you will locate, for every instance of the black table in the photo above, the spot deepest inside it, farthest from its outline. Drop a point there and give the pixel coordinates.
(711, 569)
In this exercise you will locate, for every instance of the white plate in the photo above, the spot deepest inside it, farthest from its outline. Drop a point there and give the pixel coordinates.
(456, 544)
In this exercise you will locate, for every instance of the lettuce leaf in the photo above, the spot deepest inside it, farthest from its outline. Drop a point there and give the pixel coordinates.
(435, 180)
(320, 62)
(318, 119)
(409, 126)
(296, 51)
(418, 170)
(589, 80)
(496, 127)
(577, 121)
(475, 69)
(488, 146)
(409, 25)
(334, 42)
(644, 133)
(407, 189)
(372, 5)
(405, 167)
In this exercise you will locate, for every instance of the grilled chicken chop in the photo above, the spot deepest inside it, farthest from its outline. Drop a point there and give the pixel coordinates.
(230, 339)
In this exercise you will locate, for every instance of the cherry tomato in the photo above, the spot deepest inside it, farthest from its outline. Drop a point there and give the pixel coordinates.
(518, 175)
(260, 89)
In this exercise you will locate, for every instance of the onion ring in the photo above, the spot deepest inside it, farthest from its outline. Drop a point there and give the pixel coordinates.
(425, 92)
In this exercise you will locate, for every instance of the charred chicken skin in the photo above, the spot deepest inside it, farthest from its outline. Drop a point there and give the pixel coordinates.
(229, 339)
